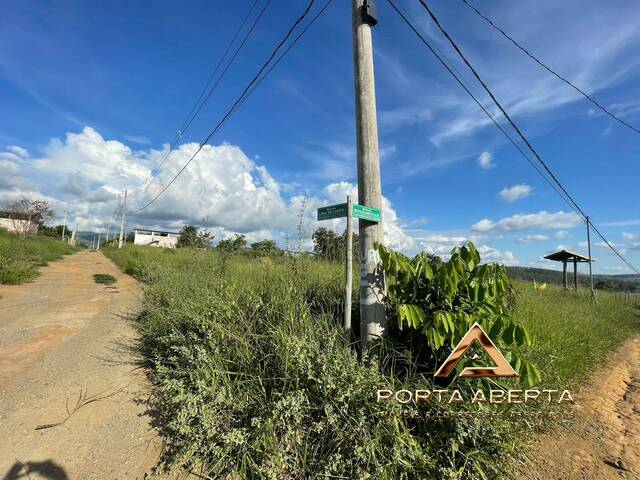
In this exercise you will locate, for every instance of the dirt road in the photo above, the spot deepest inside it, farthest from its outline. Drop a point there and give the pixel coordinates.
(604, 442)
(66, 343)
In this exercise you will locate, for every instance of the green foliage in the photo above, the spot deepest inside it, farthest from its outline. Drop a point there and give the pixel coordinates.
(236, 244)
(265, 247)
(440, 301)
(104, 279)
(20, 258)
(253, 379)
(330, 246)
(54, 232)
(190, 237)
(570, 335)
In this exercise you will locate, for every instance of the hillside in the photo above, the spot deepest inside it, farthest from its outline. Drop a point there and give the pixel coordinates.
(601, 282)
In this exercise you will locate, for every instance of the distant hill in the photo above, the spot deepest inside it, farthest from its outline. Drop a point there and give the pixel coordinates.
(601, 282)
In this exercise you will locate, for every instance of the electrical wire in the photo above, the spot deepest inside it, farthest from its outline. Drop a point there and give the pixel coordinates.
(207, 91)
(245, 93)
(458, 78)
(520, 134)
(550, 70)
(561, 191)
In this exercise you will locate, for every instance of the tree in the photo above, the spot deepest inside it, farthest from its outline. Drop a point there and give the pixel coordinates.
(55, 232)
(27, 214)
(331, 246)
(190, 237)
(233, 245)
(265, 247)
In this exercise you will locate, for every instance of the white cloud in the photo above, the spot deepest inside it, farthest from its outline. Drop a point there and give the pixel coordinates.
(485, 160)
(533, 238)
(86, 173)
(514, 193)
(635, 246)
(623, 223)
(628, 236)
(19, 151)
(561, 234)
(521, 222)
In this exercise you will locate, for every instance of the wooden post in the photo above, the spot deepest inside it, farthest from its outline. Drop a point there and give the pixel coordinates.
(564, 273)
(348, 270)
(575, 273)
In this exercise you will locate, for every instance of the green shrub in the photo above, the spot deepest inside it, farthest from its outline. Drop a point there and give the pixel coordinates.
(254, 378)
(20, 259)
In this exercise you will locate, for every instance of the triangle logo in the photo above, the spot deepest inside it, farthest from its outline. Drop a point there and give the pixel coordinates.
(477, 334)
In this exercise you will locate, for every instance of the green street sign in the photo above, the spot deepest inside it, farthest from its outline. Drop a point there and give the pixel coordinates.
(340, 210)
(332, 211)
(367, 213)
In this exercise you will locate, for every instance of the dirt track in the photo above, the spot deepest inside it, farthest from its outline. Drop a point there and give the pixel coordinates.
(604, 442)
(63, 337)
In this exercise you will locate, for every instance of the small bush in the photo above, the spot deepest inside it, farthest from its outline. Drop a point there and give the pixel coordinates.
(104, 279)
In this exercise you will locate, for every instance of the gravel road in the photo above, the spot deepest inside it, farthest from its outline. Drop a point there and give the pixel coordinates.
(66, 343)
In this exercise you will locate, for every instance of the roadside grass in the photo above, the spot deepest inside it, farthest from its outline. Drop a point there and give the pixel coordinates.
(104, 279)
(570, 334)
(254, 379)
(20, 259)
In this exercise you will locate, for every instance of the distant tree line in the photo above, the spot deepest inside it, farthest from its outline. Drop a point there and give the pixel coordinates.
(601, 282)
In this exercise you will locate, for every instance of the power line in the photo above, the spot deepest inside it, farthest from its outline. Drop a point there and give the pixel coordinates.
(202, 99)
(553, 72)
(458, 78)
(245, 93)
(519, 132)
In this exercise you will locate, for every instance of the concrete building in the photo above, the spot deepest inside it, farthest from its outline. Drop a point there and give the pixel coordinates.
(18, 222)
(155, 238)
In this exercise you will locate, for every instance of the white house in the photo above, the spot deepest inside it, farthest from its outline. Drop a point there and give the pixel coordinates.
(18, 222)
(155, 238)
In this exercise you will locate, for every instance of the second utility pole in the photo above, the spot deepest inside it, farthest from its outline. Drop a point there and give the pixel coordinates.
(372, 311)
(124, 213)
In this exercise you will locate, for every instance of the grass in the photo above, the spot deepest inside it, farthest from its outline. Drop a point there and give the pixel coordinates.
(570, 334)
(253, 378)
(20, 259)
(104, 279)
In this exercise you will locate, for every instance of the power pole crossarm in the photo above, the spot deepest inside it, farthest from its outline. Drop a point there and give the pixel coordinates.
(372, 312)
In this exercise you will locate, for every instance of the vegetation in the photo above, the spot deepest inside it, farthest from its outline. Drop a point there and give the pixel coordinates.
(626, 283)
(20, 258)
(439, 301)
(265, 248)
(104, 279)
(27, 213)
(330, 246)
(190, 237)
(254, 378)
(237, 244)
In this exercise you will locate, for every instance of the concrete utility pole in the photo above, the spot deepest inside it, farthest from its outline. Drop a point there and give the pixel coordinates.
(64, 225)
(107, 239)
(593, 292)
(124, 213)
(98, 246)
(348, 269)
(372, 311)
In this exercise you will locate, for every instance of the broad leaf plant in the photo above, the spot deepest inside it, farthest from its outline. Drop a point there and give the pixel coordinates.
(442, 300)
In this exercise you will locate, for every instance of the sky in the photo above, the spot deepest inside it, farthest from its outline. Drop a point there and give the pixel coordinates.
(93, 93)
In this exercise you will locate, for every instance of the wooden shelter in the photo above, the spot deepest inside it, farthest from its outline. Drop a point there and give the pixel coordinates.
(565, 256)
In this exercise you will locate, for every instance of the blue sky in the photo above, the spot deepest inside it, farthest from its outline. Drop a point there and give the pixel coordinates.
(91, 93)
